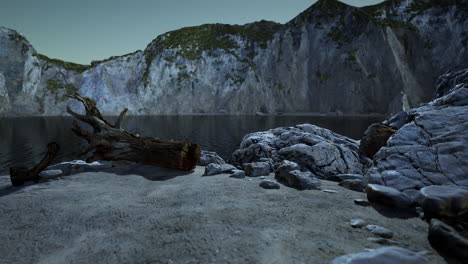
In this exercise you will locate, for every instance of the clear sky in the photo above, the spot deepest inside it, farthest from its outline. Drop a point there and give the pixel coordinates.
(84, 30)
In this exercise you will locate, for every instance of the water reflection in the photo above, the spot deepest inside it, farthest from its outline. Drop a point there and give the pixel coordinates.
(23, 140)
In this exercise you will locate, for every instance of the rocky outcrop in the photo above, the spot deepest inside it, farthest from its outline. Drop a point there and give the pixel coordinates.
(330, 58)
(318, 150)
(432, 149)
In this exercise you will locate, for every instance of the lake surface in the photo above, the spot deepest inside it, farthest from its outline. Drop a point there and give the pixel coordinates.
(23, 141)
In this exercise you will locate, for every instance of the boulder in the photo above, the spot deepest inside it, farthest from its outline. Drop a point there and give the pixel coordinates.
(384, 255)
(301, 180)
(227, 168)
(444, 202)
(256, 169)
(374, 139)
(213, 169)
(432, 149)
(238, 174)
(399, 120)
(353, 185)
(387, 196)
(448, 243)
(315, 149)
(269, 184)
(207, 157)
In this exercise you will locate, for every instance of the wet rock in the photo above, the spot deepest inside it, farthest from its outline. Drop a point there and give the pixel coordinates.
(256, 169)
(387, 196)
(380, 231)
(77, 166)
(431, 149)
(268, 184)
(353, 185)
(238, 174)
(444, 201)
(301, 180)
(213, 169)
(362, 202)
(207, 157)
(50, 173)
(374, 139)
(315, 149)
(357, 223)
(384, 255)
(448, 243)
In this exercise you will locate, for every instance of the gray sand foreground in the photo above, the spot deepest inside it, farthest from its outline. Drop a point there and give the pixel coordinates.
(166, 216)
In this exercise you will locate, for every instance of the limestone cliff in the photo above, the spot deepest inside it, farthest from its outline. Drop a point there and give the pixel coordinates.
(331, 58)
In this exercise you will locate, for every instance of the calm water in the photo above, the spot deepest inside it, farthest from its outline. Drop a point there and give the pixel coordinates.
(23, 140)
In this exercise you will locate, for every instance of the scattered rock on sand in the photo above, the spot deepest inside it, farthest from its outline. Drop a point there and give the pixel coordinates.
(357, 223)
(207, 157)
(444, 201)
(450, 245)
(50, 173)
(256, 169)
(380, 231)
(362, 202)
(387, 196)
(213, 169)
(269, 184)
(301, 180)
(238, 174)
(385, 255)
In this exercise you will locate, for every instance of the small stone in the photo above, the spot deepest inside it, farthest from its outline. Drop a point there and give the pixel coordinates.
(238, 174)
(213, 169)
(380, 231)
(330, 191)
(362, 202)
(50, 173)
(268, 184)
(262, 177)
(357, 223)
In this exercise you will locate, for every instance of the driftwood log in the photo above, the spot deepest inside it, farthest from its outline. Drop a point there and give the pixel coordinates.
(111, 142)
(19, 175)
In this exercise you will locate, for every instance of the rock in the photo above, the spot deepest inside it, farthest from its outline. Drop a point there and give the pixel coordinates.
(207, 157)
(268, 184)
(238, 174)
(384, 255)
(301, 180)
(444, 201)
(450, 81)
(228, 168)
(357, 223)
(353, 185)
(50, 173)
(77, 166)
(343, 177)
(374, 139)
(387, 196)
(399, 120)
(213, 169)
(256, 169)
(362, 202)
(380, 231)
(448, 243)
(312, 148)
(432, 148)
(329, 191)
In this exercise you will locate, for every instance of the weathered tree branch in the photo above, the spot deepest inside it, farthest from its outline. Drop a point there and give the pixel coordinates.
(111, 142)
(19, 175)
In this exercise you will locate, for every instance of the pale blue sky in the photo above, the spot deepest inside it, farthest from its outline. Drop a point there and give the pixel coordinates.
(84, 30)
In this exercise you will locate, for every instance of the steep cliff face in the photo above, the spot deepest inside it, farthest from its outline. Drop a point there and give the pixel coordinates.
(332, 57)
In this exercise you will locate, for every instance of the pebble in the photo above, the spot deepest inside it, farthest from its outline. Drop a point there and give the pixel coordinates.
(330, 191)
(380, 231)
(357, 223)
